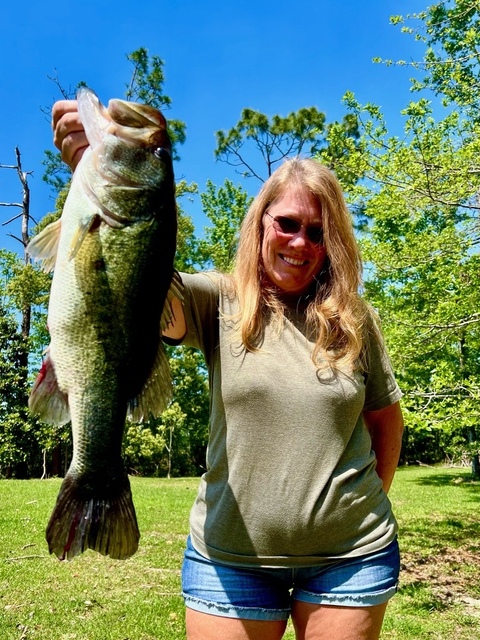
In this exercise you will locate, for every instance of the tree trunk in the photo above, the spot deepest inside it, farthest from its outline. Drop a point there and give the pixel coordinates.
(475, 456)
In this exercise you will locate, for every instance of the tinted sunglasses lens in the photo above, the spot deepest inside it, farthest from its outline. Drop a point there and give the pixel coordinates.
(288, 225)
(315, 234)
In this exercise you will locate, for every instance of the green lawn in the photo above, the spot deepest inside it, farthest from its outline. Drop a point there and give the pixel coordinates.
(94, 598)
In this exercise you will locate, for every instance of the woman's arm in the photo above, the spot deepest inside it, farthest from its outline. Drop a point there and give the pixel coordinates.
(386, 429)
(177, 328)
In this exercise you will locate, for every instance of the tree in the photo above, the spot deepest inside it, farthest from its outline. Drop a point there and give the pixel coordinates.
(276, 138)
(450, 31)
(146, 85)
(19, 450)
(418, 199)
(226, 207)
(23, 293)
(189, 422)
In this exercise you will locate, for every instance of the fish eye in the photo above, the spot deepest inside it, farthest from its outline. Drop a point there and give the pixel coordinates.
(162, 153)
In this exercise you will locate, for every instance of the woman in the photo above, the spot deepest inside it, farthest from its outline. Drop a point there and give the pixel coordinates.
(292, 516)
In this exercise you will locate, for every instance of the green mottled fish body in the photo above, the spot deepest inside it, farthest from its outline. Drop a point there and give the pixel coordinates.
(112, 253)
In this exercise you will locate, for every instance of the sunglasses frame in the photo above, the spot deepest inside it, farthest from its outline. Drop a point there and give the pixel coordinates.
(309, 229)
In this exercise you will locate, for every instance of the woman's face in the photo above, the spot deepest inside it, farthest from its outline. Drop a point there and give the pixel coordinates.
(292, 260)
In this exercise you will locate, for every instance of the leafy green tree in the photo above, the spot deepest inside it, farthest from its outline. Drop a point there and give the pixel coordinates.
(188, 425)
(146, 85)
(419, 203)
(276, 138)
(21, 285)
(144, 447)
(19, 450)
(188, 255)
(175, 443)
(450, 31)
(173, 420)
(225, 207)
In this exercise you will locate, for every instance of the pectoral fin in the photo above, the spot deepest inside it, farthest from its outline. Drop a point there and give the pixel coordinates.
(46, 399)
(44, 246)
(81, 231)
(157, 392)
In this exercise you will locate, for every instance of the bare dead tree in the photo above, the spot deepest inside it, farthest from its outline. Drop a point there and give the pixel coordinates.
(24, 215)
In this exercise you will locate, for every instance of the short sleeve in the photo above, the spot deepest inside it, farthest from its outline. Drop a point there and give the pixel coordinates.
(200, 305)
(381, 388)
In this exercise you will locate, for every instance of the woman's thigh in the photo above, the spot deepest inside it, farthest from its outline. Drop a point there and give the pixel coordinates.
(203, 626)
(327, 622)
(346, 601)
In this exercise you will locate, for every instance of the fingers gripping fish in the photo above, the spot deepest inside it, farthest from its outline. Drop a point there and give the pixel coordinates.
(112, 254)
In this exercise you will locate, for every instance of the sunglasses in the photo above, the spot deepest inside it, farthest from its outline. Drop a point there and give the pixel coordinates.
(290, 227)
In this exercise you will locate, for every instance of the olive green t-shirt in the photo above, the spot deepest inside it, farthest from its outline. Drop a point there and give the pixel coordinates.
(290, 477)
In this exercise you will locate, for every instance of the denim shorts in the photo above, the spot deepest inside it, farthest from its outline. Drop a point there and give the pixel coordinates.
(267, 593)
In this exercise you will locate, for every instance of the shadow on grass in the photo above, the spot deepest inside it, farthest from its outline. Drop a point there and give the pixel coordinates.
(463, 481)
(427, 532)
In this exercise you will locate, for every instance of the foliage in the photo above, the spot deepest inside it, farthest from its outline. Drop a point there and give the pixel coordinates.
(18, 442)
(450, 31)
(189, 420)
(57, 174)
(276, 138)
(146, 86)
(226, 207)
(143, 448)
(187, 255)
(418, 206)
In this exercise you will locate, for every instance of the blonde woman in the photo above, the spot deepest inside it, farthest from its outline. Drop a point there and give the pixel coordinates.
(292, 517)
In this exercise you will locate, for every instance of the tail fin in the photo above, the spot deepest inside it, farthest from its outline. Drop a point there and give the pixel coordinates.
(82, 520)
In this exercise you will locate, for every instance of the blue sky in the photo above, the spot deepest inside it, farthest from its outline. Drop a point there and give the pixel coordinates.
(220, 57)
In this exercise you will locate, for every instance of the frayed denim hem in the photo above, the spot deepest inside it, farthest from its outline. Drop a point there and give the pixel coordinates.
(232, 611)
(346, 599)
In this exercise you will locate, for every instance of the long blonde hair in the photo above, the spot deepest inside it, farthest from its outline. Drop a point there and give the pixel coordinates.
(336, 314)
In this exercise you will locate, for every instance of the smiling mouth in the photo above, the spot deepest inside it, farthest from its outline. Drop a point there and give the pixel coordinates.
(293, 262)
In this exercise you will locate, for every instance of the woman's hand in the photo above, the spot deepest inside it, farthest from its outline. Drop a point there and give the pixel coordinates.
(68, 132)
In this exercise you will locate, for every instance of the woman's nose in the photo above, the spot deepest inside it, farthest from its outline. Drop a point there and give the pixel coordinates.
(299, 239)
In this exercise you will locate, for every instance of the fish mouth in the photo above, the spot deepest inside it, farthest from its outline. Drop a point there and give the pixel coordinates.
(293, 261)
(134, 114)
(138, 123)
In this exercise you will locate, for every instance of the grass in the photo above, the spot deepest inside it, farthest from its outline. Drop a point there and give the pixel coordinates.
(439, 596)
(95, 598)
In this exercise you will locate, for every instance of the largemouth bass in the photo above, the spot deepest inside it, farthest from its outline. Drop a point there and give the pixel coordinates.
(112, 254)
